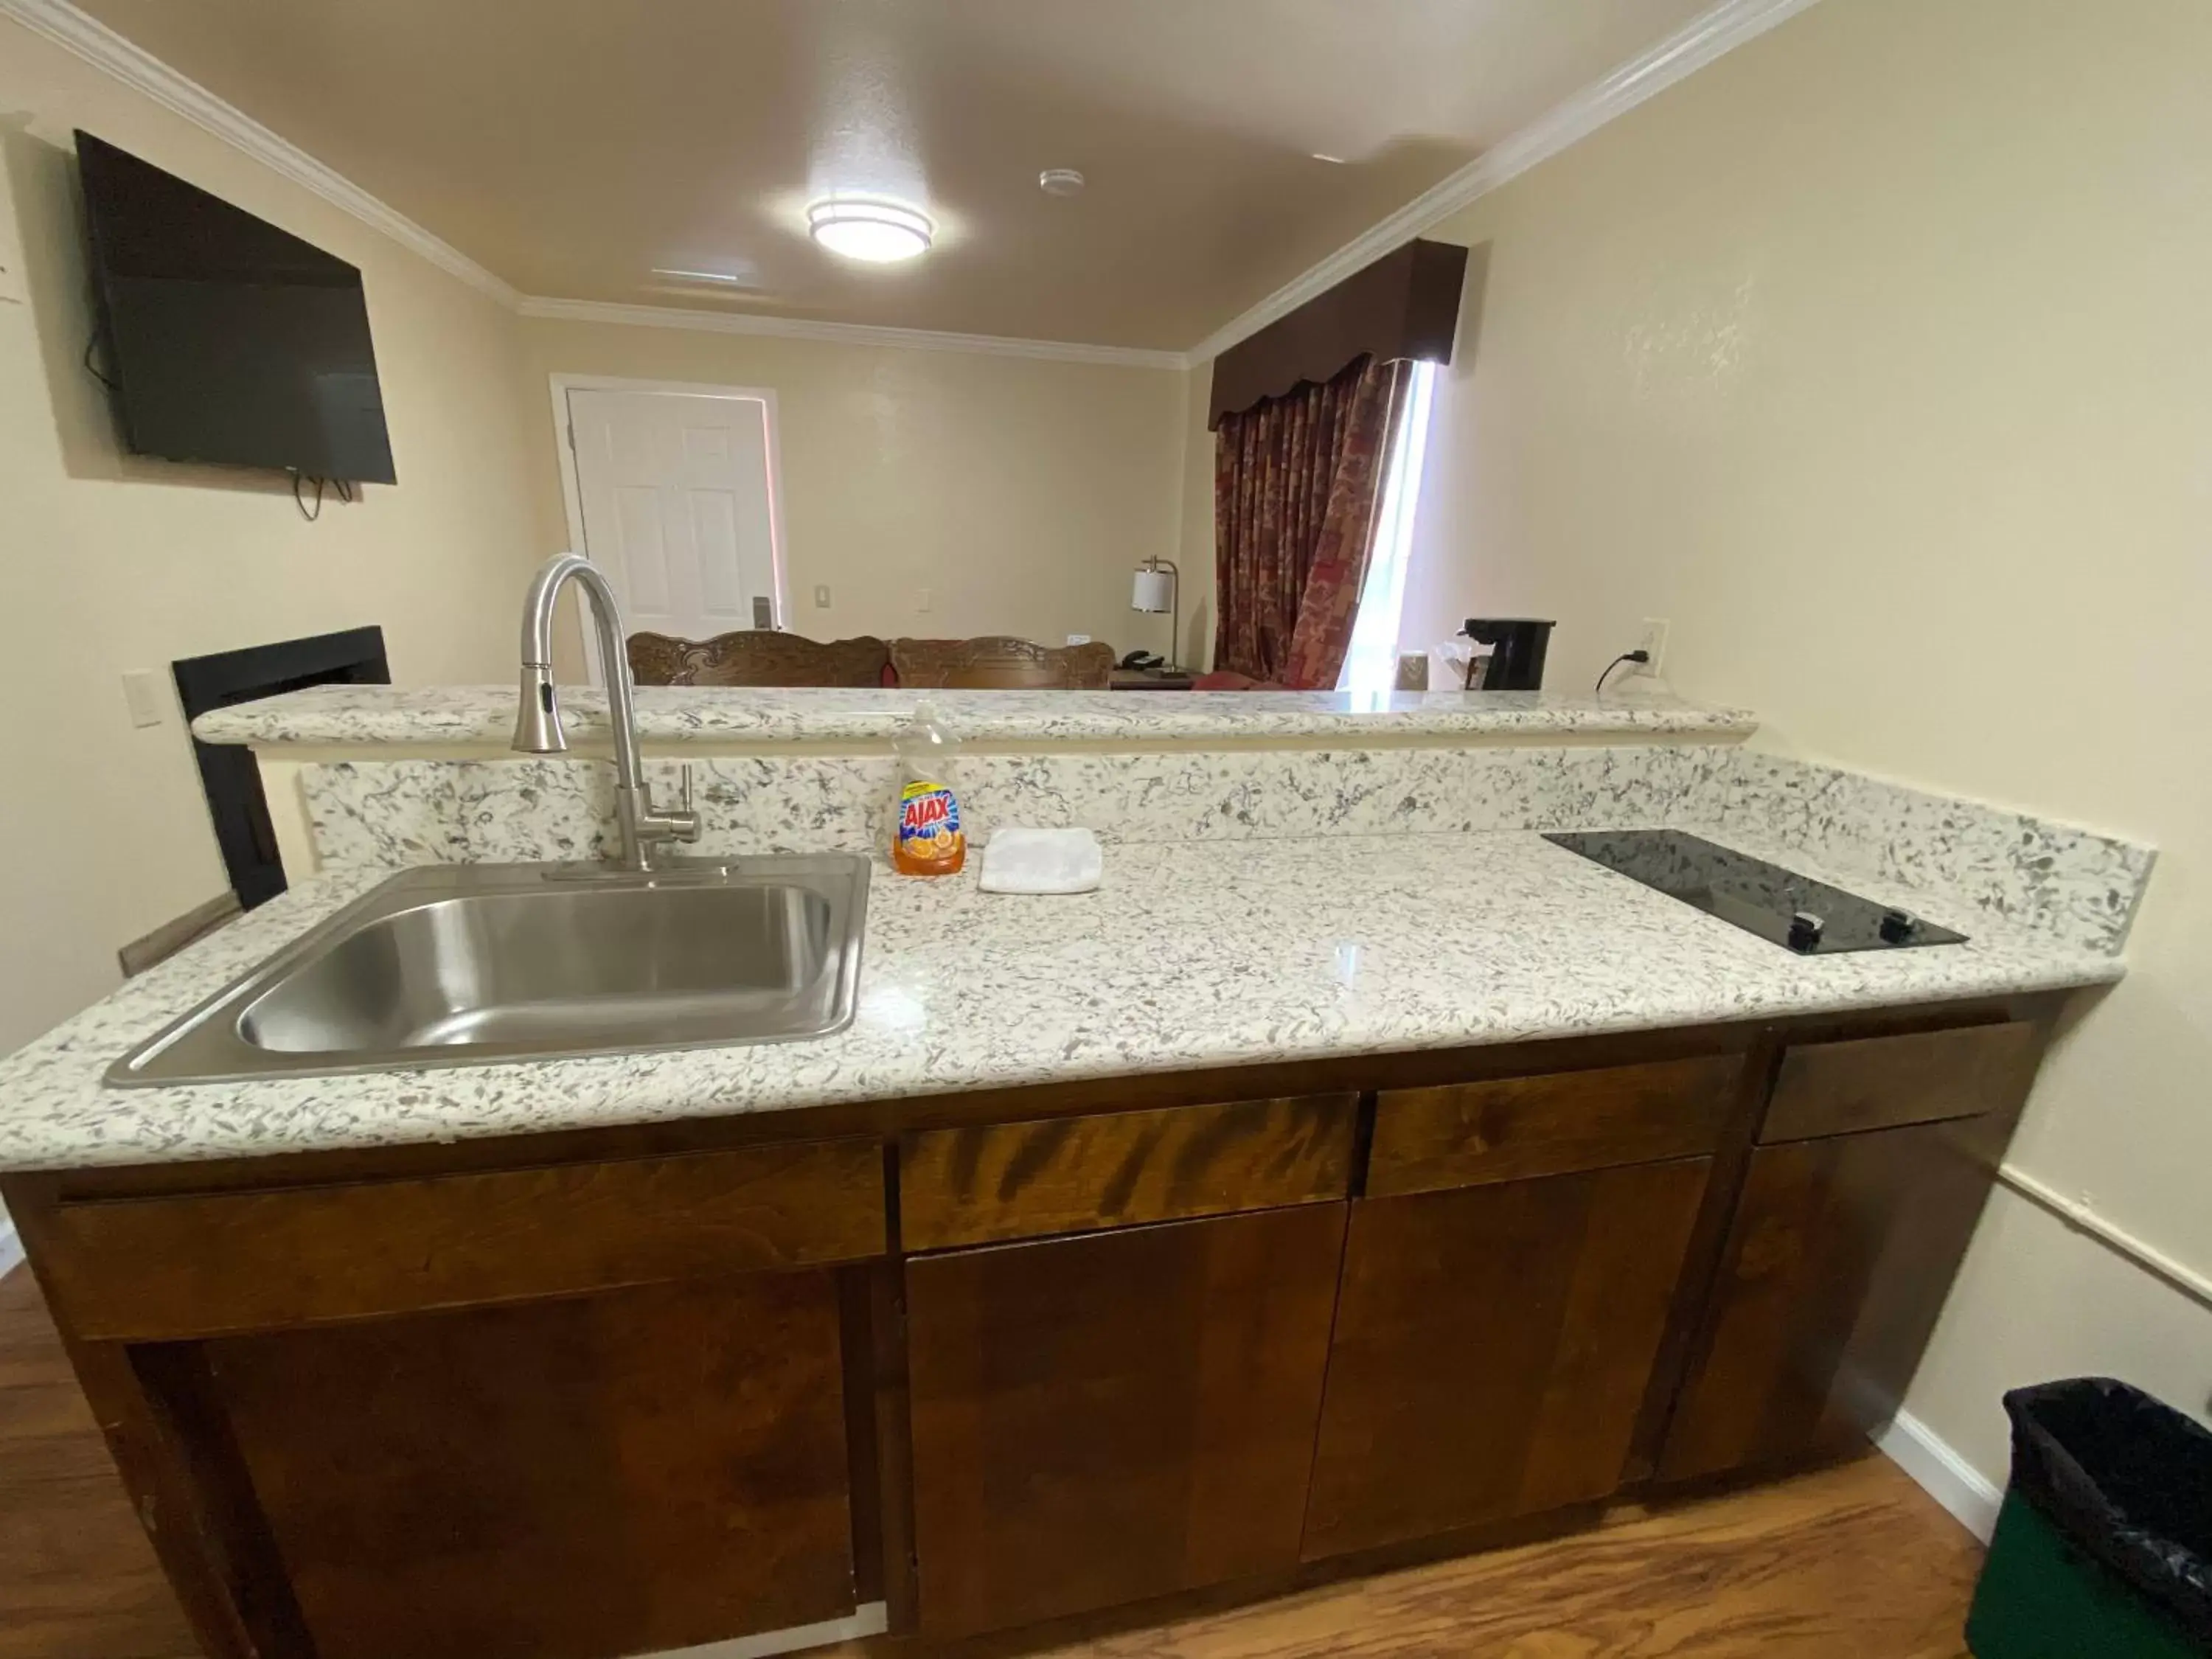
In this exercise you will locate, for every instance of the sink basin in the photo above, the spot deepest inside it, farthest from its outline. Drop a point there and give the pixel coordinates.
(455, 964)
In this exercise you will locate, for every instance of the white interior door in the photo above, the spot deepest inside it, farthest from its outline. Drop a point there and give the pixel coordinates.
(675, 493)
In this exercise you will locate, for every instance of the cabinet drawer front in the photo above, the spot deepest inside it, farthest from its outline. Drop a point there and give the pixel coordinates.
(1123, 1168)
(203, 1264)
(1881, 1082)
(1468, 1134)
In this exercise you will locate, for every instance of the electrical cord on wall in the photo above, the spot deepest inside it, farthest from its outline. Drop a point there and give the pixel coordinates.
(1626, 656)
(300, 501)
(92, 368)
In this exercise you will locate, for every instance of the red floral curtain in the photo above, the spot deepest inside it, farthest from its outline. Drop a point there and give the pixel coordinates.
(1296, 483)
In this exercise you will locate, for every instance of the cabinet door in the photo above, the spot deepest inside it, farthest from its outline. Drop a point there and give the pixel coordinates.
(628, 1472)
(1834, 1270)
(1104, 1419)
(1492, 1349)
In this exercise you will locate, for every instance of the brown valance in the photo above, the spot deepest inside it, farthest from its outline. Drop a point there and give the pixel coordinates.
(1404, 305)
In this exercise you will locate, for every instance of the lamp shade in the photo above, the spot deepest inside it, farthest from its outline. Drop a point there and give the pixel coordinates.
(1151, 591)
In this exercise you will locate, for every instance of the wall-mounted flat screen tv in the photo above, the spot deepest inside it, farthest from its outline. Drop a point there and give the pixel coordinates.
(228, 340)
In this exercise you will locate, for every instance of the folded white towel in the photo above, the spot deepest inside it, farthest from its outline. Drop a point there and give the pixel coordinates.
(1041, 861)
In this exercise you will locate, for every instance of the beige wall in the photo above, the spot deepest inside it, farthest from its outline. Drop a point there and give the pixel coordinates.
(1022, 493)
(1873, 357)
(1196, 556)
(109, 563)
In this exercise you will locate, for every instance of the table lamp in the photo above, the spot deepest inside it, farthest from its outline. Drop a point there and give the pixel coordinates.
(1158, 588)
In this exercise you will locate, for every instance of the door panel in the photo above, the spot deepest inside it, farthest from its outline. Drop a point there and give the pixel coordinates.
(677, 506)
(1833, 1273)
(1123, 1415)
(1493, 1345)
(621, 1473)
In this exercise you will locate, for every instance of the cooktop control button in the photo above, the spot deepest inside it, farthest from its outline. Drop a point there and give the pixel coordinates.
(1898, 927)
(1805, 931)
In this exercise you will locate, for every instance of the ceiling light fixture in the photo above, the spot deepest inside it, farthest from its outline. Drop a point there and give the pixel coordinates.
(1060, 181)
(870, 228)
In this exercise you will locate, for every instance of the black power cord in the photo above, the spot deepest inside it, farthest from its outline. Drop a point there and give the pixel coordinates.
(91, 349)
(1626, 656)
(300, 501)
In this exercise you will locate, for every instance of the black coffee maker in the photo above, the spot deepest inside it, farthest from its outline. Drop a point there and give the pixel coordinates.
(1516, 662)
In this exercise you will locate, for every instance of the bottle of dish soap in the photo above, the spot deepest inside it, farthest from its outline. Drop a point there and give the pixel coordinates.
(927, 840)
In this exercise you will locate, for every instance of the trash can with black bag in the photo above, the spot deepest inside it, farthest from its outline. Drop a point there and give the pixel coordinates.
(2104, 1545)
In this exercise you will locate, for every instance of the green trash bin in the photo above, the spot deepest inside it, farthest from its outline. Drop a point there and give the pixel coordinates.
(2103, 1549)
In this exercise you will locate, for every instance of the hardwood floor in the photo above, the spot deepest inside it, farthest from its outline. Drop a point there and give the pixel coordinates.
(77, 1578)
(1852, 1563)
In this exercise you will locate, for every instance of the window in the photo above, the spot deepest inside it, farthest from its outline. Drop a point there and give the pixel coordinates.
(1371, 664)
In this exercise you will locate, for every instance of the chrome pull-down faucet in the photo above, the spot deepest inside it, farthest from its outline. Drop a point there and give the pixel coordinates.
(538, 731)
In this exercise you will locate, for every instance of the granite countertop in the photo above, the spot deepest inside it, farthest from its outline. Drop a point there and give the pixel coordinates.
(347, 715)
(1194, 954)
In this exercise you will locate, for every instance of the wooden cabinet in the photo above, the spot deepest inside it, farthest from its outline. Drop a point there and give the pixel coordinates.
(1492, 1349)
(1834, 1271)
(1845, 1238)
(1510, 1128)
(1103, 1419)
(1887, 1082)
(1003, 1359)
(632, 1472)
(1071, 1174)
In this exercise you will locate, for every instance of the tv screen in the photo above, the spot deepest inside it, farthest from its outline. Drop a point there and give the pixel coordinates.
(228, 340)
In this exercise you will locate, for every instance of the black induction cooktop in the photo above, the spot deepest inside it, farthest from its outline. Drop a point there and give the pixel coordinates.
(1808, 916)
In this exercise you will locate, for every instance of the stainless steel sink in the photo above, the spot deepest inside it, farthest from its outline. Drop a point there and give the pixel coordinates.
(457, 965)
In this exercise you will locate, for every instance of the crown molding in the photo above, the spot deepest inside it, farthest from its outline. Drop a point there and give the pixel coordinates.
(1681, 54)
(1719, 31)
(104, 48)
(859, 334)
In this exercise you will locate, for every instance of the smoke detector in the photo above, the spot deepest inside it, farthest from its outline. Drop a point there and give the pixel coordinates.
(1061, 181)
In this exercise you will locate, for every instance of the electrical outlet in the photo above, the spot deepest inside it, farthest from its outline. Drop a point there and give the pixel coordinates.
(1079, 639)
(921, 598)
(822, 596)
(1652, 641)
(142, 695)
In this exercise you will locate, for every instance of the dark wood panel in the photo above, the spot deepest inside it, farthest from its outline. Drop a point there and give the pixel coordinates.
(1783, 1568)
(646, 1469)
(1121, 1169)
(1491, 1349)
(168, 1268)
(1883, 1082)
(1511, 1128)
(757, 656)
(1104, 1418)
(1836, 1267)
(1002, 662)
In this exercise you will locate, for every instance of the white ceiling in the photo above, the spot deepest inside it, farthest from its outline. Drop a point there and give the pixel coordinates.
(571, 146)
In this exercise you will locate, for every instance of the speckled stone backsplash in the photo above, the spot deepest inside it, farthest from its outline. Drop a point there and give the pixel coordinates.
(2077, 886)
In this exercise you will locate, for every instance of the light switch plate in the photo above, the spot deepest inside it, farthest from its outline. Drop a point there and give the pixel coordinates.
(921, 598)
(822, 596)
(143, 695)
(1079, 639)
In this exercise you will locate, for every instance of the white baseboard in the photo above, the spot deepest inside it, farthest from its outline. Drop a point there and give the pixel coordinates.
(11, 1247)
(1941, 1472)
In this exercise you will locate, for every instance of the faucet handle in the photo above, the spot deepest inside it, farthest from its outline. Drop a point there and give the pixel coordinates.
(682, 823)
